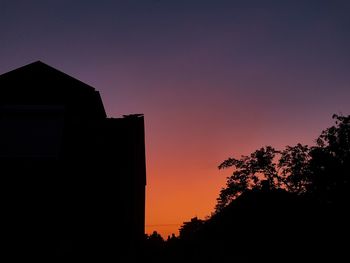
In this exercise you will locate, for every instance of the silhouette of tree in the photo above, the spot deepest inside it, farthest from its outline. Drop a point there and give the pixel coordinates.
(294, 169)
(154, 246)
(155, 238)
(275, 203)
(171, 238)
(322, 170)
(188, 229)
(249, 172)
(330, 163)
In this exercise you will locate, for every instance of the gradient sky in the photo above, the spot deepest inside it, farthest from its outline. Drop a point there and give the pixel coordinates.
(213, 78)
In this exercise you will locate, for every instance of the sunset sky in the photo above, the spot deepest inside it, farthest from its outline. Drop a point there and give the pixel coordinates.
(213, 78)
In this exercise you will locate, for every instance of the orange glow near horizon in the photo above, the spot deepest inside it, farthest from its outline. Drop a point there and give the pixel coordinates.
(182, 176)
(171, 202)
(214, 79)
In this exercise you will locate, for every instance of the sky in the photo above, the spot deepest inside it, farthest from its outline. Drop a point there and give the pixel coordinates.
(214, 79)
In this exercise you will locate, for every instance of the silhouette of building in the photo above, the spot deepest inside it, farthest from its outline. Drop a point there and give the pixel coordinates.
(73, 180)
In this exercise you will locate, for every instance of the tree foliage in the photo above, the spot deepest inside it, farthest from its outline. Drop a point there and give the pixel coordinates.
(322, 170)
(330, 163)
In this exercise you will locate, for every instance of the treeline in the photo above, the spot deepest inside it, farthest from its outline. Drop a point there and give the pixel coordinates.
(277, 204)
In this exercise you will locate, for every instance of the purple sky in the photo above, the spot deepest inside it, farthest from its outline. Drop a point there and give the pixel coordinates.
(213, 78)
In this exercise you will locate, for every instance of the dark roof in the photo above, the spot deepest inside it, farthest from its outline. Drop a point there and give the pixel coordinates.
(40, 84)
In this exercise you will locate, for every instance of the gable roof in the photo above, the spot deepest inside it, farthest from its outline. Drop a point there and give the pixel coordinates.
(40, 84)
